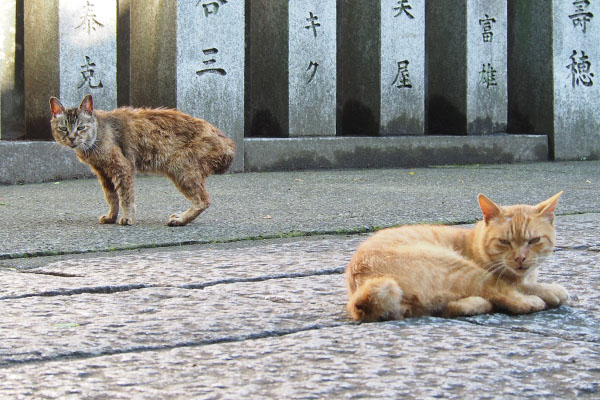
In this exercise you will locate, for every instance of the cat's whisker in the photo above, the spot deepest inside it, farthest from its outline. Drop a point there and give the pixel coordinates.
(500, 275)
(490, 270)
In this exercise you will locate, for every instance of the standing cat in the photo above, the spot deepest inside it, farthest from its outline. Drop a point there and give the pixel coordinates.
(420, 270)
(116, 143)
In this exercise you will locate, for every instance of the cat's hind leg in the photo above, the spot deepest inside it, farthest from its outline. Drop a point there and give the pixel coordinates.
(377, 299)
(195, 191)
(473, 305)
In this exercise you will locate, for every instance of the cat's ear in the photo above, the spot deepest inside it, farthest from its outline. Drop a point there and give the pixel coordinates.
(56, 107)
(546, 208)
(87, 105)
(489, 209)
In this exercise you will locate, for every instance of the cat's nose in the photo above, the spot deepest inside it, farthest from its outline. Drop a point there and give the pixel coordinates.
(520, 259)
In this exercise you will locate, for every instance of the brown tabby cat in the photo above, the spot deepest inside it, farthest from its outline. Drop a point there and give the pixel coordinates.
(446, 271)
(116, 143)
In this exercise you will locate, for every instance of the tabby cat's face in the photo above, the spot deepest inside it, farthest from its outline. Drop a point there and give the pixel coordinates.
(73, 127)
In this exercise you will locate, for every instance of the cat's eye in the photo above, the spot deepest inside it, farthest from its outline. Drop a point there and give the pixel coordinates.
(534, 240)
(81, 127)
(504, 242)
(62, 128)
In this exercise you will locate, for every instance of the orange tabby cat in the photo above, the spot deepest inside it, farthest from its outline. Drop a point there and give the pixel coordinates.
(420, 270)
(116, 143)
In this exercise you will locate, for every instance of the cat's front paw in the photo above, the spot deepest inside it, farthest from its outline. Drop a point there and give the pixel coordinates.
(126, 221)
(528, 304)
(554, 295)
(107, 219)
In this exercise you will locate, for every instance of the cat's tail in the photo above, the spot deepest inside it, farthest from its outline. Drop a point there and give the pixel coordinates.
(377, 299)
(223, 163)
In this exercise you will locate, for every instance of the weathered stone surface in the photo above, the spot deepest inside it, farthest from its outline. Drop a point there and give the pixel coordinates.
(210, 65)
(152, 318)
(71, 53)
(402, 68)
(87, 52)
(51, 218)
(36, 161)
(7, 46)
(576, 59)
(41, 65)
(467, 66)
(487, 74)
(312, 67)
(422, 359)
(198, 268)
(267, 69)
(554, 49)
(109, 302)
(266, 319)
(190, 55)
(11, 70)
(276, 154)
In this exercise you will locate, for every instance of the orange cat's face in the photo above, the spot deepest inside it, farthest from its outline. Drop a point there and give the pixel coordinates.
(518, 238)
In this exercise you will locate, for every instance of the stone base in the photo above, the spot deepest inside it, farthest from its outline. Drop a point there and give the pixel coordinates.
(267, 154)
(34, 162)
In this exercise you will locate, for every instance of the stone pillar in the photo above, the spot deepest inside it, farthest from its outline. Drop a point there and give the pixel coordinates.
(267, 68)
(576, 75)
(554, 87)
(70, 52)
(11, 69)
(123, 53)
(487, 66)
(312, 67)
(190, 55)
(7, 46)
(467, 66)
(402, 67)
(359, 72)
(291, 85)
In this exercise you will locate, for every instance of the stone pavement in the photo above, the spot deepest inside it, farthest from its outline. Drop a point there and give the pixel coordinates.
(248, 301)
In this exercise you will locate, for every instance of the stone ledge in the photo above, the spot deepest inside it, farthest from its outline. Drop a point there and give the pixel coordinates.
(35, 162)
(273, 154)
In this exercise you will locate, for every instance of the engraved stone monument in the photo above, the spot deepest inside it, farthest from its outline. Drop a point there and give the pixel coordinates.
(554, 48)
(291, 85)
(190, 55)
(576, 86)
(312, 67)
(71, 52)
(467, 66)
(402, 67)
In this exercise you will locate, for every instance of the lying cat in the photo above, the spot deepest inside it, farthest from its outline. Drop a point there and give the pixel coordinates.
(446, 271)
(116, 143)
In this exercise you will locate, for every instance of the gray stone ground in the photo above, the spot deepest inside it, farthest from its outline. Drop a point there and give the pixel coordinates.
(212, 311)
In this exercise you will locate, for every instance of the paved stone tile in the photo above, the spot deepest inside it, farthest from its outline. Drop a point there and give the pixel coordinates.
(425, 358)
(215, 294)
(42, 328)
(578, 231)
(204, 266)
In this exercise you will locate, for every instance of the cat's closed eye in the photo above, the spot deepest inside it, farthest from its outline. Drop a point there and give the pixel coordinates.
(504, 242)
(534, 240)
